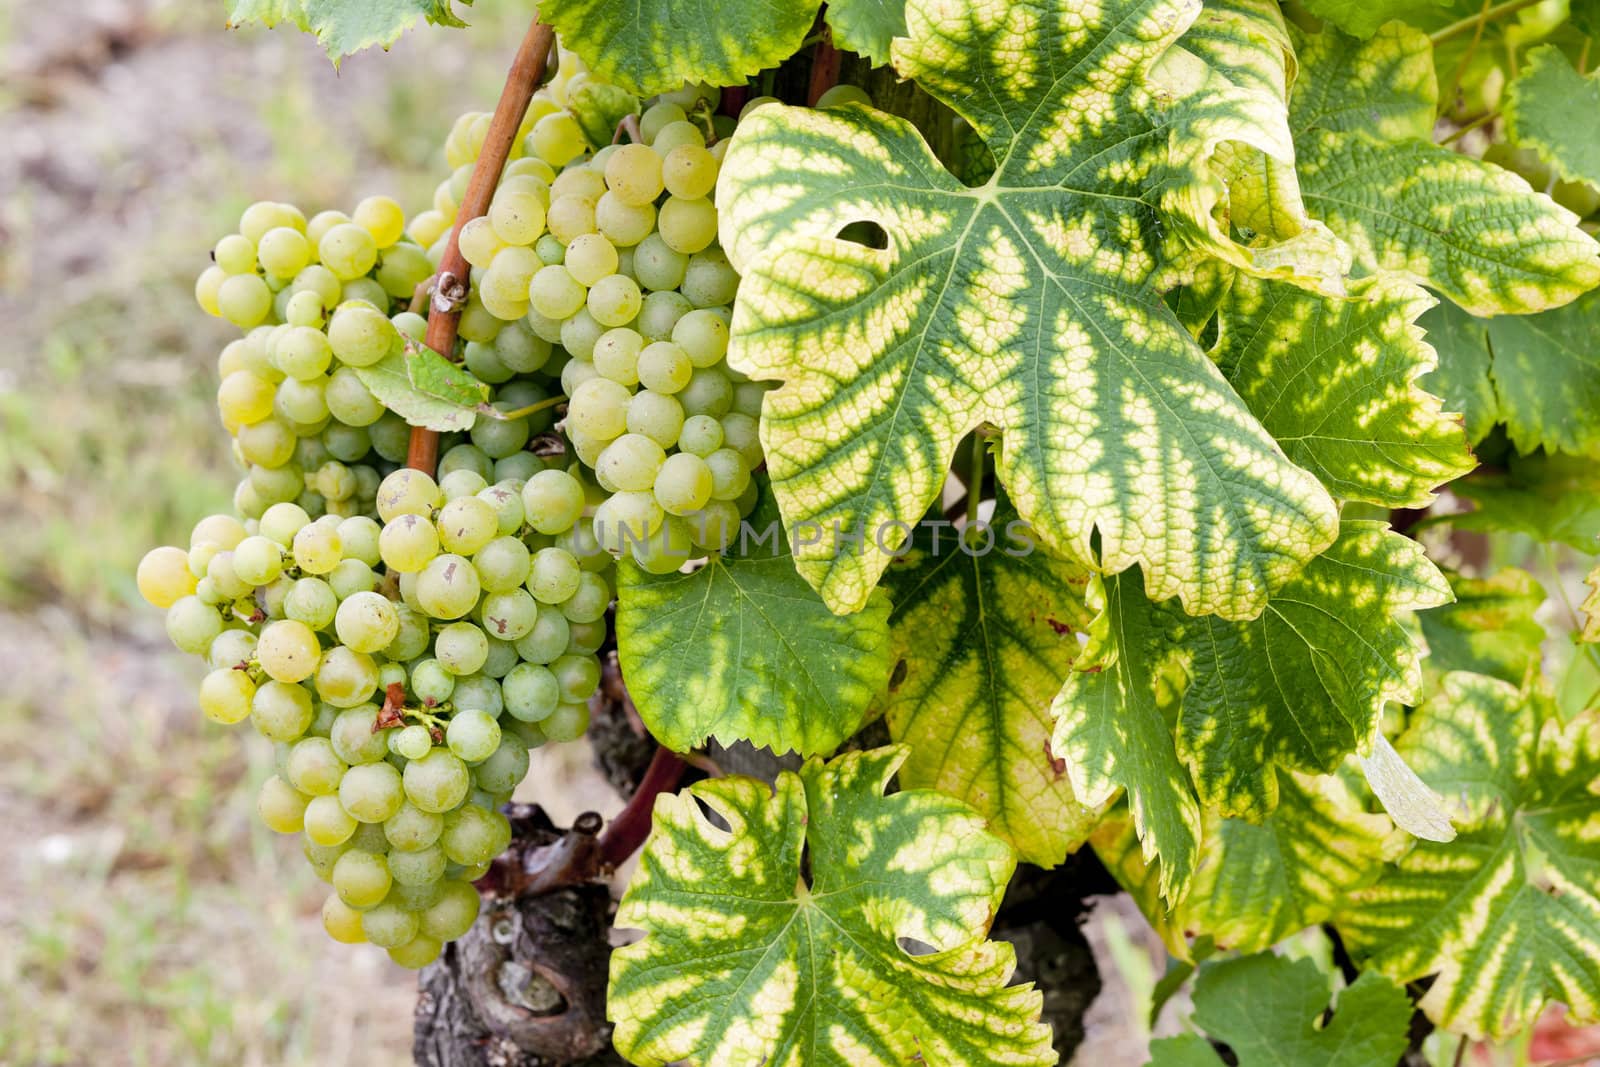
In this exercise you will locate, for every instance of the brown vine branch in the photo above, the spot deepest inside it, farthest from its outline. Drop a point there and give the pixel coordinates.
(632, 825)
(450, 286)
(825, 61)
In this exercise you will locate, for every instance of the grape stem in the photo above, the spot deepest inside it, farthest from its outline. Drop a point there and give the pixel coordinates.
(450, 286)
(630, 126)
(632, 825)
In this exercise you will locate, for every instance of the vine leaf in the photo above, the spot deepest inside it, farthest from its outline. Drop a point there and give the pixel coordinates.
(1547, 497)
(1363, 118)
(1260, 882)
(1269, 1011)
(1114, 723)
(1363, 17)
(867, 26)
(982, 643)
(745, 959)
(344, 27)
(1461, 380)
(744, 649)
(1554, 110)
(1546, 375)
(599, 108)
(1334, 380)
(1507, 915)
(1025, 303)
(411, 397)
(437, 377)
(1490, 629)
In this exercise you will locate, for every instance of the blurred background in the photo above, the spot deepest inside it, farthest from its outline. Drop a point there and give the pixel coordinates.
(146, 918)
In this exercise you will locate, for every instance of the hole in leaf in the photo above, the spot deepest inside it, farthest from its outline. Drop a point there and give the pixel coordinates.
(912, 947)
(713, 816)
(869, 234)
(897, 677)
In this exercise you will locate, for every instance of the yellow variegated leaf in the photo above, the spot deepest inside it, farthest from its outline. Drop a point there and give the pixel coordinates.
(1490, 629)
(773, 935)
(1507, 916)
(1363, 116)
(1025, 303)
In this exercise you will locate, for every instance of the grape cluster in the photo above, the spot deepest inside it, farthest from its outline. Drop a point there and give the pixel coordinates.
(614, 258)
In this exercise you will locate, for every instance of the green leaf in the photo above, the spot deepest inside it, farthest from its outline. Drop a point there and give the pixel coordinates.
(1553, 109)
(745, 960)
(1546, 374)
(1461, 379)
(1363, 119)
(1548, 498)
(1507, 916)
(867, 26)
(1260, 882)
(1114, 723)
(652, 46)
(437, 377)
(1489, 629)
(982, 643)
(344, 27)
(1363, 17)
(1025, 303)
(1591, 608)
(744, 649)
(1269, 1011)
(600, 108)
(1335, 382)
(389, 380)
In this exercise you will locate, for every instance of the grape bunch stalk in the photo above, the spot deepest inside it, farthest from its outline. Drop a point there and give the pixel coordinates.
(403, 637)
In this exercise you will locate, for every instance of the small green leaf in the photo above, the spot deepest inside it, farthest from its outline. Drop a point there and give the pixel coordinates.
(344, 27)
(1363, 116)
(867, 26)
(651, 46)
(389, 380)
(1269, 1011)
(437, 377)
(1505, 917)
(1489, 629)
(600, 108)
(1260, 882)
(1546, 374)
(1549, 498)
(268, 13)
(1363, 17)
(1114, 726)
(744, 649)
(746, 960)
(1335, 382)
(1553, 109)
(1461, 379)
(982, 642)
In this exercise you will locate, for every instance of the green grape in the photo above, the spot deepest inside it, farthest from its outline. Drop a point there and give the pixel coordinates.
(473, 835)
(360, 334)
(311, 601)
(366, 621)
(346, 678)
(381, 217)
(281, 711)
(322, 720)
(708, 393)
(683, 484)
(843, 94)
(301, 402)
(407, 492)
(703, 336)
(748, 398)
(353, 738)
(549, 247)
(657, 116)
(266, 215)
(616, 355)
(319, 280)
(590, 257)
(502, 564)
(303, 352)
(417, 953)
(225, 695)
(361, 878)
(575, 373)
(709, 280)
(477, 323)
(462, 482)
(624, 224)
(687, 226)
(672, 136)
(508, 615)
(517, 214)
(633, 174)
(531, 691)
(555, 293)
(164, 578)
(552, 499)
(359, 536)
(498, 438)
(743, 434)
(484, 363)
(472, 735)
(629, 463)
(437, 782)
(598, 410)
(371, 792)
(577, 676)
(408, 543)
(431, 683)
(367, 291)
(453, 914)
(348, 250)
(288, 650)
(412, 742)
(664, 367)
(580, 181)
(244, 300)
(418, 866)
(479, 692)
(557, 139)
(207, 288)
(506, 766)
(593, 595)
(548, 639)
(689, 171)
(281, 522)
(447, 588)
(412, 639)
(281, 807)
(466, 524)
(520, 349)
(317, 549)
(235, 254)
(569, 218)
(730, 474)
(567, 723)
(224, 579)
(341, 921)
(701, 435)
(502, 657)
(327, 823)
(656, 266)
(656, 416)
(505, 499)
(243, 398)
(411, 829)
(401, 269)
(335, 482)
(461, 648)
(268, 442)
(303, 309)
(554, 575)
(314, 768)
(391, 436)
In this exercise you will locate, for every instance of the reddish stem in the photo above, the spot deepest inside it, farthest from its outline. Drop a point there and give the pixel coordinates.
(632, 824)
(824, 68)
(450, 290)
